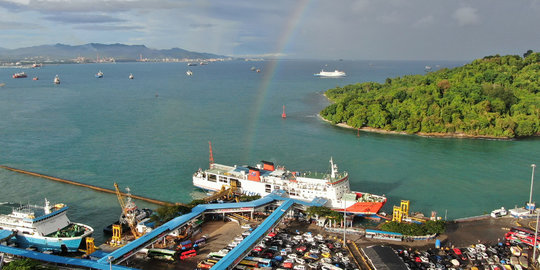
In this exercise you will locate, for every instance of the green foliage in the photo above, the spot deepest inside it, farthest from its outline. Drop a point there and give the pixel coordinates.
(26, 264)
(166, 213)
(322, 211)
(413, 229)
(496, 96)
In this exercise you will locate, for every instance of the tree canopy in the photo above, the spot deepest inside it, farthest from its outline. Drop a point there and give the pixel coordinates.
(496, 96)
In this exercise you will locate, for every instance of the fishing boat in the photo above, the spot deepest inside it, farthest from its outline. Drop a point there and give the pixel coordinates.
(99, 74)
(189, 73)
(19, 75)
(35, 78)
(44, 228)
(131, 76)
(56, 79)
(264, 178)
(332, 74)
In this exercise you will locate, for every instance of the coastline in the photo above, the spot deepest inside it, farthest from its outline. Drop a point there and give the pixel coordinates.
(421, 134)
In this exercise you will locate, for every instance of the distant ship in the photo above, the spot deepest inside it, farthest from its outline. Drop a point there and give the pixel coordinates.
(261, 180)
(45, 228)
(203, 63)
(99, 74)
(192, 64)
(56, 80)
(335, 73)
(19, 75)
(35, 78)
(131, 76)
(427, 68)
(189, 73)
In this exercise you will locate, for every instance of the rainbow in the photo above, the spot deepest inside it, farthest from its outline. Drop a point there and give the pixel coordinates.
(270, 70)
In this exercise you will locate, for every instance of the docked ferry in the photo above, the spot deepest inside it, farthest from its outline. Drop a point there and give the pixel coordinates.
(306, 186)
(45, 228)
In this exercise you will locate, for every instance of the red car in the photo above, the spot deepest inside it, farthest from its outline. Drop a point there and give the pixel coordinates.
(301, 249)
(258, 249)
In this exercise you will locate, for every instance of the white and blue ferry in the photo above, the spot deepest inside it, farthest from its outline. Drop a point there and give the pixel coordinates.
(44, 228)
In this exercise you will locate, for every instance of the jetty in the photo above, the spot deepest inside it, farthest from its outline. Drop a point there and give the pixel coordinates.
(101, 189)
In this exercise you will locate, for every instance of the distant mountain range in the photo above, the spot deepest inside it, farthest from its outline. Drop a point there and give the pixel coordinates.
(120, 52)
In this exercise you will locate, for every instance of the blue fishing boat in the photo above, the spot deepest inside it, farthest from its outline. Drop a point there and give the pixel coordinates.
(44, 228)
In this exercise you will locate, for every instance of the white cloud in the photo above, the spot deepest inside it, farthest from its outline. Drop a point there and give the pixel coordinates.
(466, 16)
(424, 21)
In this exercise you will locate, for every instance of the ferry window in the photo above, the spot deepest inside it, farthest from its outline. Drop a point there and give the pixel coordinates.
(268, 188)
(223, 179)
(212, 177)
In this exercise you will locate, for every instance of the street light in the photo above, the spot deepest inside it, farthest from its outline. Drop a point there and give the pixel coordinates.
(110, 259)
(532, 182)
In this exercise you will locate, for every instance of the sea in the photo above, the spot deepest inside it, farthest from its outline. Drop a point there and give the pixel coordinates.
(152, 133)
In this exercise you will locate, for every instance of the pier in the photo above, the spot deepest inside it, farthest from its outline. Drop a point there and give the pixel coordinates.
(71, 182)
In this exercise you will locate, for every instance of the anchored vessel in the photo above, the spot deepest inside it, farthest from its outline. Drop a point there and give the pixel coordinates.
(19, 75)
(335, 73)
(45, 228)
(99, 74)
(306, 186)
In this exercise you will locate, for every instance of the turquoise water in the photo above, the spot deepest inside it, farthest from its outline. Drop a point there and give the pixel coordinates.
(152, 133)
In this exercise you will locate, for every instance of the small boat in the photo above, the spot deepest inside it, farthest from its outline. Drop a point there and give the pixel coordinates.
(192, 64)
(203, 63)
(56, 80)
(36, 65)
(131, 76)
(19, 75)
(427, 68)
(253, 68)
(189, 73)
(99, 74)
(331, 74)
(35, 78)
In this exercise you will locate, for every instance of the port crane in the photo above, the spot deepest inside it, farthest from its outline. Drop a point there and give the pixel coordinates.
(128, 210)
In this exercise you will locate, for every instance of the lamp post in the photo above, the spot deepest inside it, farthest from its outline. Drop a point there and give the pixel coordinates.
(344, 222)
(532, 182)
(110, 259)
(535, 237)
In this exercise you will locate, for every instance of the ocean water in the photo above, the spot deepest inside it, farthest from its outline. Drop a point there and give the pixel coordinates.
(151, 134)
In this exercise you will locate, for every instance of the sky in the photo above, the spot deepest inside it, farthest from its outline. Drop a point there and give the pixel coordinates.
(293, 29)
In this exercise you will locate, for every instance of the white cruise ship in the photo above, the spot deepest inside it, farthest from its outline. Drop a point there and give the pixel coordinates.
(335, 73)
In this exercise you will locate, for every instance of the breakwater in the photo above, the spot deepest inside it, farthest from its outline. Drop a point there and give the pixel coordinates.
(96, 188)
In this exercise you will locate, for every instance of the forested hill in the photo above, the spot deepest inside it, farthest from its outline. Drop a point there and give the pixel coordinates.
(496, 96)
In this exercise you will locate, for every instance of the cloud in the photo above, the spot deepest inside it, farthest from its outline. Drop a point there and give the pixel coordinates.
(466, 16)
(108, 27)
(6, 25)
(76, 18)
(425, 21)
(202, 25)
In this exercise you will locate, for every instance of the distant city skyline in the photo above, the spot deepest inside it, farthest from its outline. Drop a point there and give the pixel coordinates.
(304, 29)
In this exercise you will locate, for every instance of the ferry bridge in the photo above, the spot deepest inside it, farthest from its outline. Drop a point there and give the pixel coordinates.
(120, 255)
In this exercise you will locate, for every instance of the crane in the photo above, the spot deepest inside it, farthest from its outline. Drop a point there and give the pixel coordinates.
(128, 210)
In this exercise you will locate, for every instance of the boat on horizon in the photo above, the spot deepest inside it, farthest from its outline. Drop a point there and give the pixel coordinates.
(264, 178)
(99, 74)
(45, 228)
(192, 64)
(332, 74)
(19, 75)
(56, 79)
